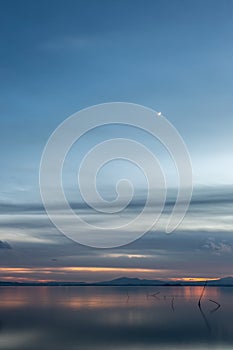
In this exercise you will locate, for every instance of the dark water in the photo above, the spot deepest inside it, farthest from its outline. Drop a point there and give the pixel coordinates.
(71, 318)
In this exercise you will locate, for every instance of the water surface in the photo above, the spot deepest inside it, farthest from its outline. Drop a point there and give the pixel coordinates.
(118, 318)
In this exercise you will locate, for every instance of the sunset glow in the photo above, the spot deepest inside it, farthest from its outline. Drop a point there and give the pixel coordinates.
(193, 279)
(75, 273)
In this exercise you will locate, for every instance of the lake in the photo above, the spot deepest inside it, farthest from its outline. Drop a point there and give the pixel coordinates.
(118, 318)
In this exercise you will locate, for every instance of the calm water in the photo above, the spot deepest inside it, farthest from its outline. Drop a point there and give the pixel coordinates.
(118, 318)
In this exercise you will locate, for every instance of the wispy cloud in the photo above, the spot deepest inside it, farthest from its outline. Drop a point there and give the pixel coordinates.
(82, 41)
(66, 43)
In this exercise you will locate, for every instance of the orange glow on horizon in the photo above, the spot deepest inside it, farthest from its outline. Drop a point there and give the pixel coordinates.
(54, 273)
(74, 269)
(194, 279)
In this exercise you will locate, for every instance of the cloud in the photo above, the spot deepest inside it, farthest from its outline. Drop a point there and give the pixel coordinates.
(83, 41)
(4, 245)
(217, 247)
(64, 43)
(69, 43)
(203, 240)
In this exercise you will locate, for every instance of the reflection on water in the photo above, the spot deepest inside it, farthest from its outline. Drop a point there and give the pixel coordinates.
(117, 318)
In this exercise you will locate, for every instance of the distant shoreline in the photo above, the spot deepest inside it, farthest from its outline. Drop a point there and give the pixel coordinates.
(125, 282)
(110, 285)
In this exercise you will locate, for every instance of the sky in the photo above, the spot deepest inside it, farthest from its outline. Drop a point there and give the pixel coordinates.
(58, 57)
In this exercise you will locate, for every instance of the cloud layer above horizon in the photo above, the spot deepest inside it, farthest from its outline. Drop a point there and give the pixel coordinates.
(202, 246)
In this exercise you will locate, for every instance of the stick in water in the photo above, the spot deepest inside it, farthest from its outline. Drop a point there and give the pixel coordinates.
(202, 293)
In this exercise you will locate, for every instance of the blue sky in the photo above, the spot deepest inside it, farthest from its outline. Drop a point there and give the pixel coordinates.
(57, 57)
(175, 57)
